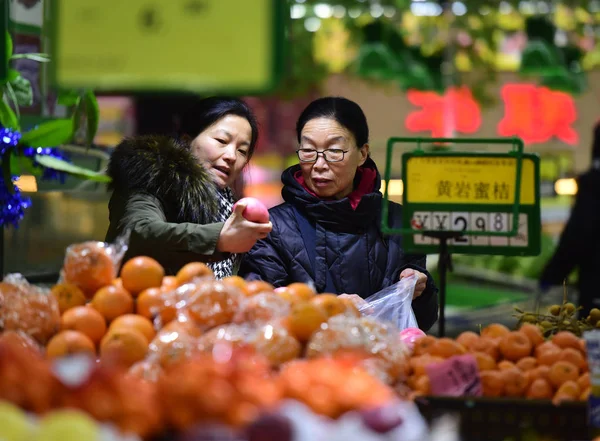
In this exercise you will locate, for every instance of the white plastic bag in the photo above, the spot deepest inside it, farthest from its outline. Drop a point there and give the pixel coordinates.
(393, 304)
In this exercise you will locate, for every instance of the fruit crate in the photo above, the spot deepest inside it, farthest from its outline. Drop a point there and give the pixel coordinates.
(499, 419)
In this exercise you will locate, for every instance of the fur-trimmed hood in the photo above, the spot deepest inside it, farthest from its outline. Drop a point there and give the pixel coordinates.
(166, 169)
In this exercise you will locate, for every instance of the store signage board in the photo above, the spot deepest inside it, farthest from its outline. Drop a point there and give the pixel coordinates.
(232, 46)
(473, 195)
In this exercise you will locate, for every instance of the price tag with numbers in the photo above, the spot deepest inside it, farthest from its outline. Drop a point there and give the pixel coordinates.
(475, 194)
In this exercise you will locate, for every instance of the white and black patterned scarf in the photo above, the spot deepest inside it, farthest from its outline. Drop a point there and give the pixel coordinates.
(224, 268)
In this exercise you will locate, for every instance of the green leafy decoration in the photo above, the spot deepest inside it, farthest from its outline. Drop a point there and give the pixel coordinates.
(20, 165)
(40, 58)
(92, 111)
(68, 98)
(49, 134)
(13, 98)
(8, 118)
(9, 46)
(22, 90)
(60, 165)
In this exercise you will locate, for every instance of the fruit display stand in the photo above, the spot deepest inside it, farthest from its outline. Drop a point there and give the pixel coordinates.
(499, 419)
(186, 357)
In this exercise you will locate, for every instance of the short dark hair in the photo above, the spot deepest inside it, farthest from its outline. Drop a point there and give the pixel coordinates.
(208, 111)
(347, 113)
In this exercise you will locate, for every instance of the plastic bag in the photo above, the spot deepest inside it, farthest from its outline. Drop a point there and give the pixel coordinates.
(28, 308)
(393, 304)
(93, 265)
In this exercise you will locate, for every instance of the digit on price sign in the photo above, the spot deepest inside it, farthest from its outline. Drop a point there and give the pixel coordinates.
(479, 223)
(460, 222)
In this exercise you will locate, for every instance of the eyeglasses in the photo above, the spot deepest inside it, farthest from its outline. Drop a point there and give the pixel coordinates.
(330, 155)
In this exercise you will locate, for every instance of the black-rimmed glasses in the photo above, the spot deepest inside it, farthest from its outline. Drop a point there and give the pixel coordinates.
(330, 155)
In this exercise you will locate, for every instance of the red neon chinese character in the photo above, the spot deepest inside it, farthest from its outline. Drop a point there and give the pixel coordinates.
(537, 114)
(456, 110)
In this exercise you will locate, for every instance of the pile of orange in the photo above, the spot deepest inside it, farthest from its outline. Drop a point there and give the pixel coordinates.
(511, 363)
(148, 321)
(333, 386)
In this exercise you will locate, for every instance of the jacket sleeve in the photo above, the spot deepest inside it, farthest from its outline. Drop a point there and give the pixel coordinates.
(151, 233)
(571, 249)
(426, 305)
(265, 262)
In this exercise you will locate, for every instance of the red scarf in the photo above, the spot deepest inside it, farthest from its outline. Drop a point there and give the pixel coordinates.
(366, 184)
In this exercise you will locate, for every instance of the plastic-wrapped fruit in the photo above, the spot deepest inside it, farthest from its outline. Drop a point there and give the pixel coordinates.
(276, 344)
(305, 318)
(233, 335)
(229, 390)
(90, 266)
(212, 303)
(146, 370)
(173, 346)
(376, 338)
(332, 387)
(334, 305)
(27, 308)
(261, 308)
(21, 339)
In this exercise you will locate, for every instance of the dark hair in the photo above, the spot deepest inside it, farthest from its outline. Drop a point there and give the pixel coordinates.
(347, 113)
(208, 111)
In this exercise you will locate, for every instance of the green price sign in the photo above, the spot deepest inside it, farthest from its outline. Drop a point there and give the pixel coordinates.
(169, 45)
(488, 203)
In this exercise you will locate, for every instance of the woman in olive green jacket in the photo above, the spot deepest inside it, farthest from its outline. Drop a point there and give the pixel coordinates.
(174, 196)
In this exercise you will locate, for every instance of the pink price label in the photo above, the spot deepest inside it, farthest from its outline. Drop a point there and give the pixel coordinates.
(458, 376)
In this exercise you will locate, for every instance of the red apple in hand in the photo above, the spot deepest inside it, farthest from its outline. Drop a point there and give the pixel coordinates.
(255, 210)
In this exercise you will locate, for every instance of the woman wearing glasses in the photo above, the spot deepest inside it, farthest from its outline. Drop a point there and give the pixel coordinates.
(328, 229)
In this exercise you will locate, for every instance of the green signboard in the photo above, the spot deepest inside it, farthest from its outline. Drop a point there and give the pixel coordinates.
(484, 203)
(170, 45)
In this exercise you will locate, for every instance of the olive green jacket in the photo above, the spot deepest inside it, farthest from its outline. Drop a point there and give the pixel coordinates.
(165, 200)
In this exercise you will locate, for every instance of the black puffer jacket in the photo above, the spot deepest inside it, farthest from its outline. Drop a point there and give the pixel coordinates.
(349, 244)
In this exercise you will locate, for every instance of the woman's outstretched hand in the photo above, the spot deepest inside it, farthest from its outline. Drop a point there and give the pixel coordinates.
(239, 234)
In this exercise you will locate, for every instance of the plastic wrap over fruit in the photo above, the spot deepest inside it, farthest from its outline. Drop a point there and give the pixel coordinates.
(261, 308)
(93, 265)
(332, 387)
(273, 341)
(209, 303)
(28, 309)
(379, 339)
(147, 370)
(231, 335)
(233, 390)
(173, 345)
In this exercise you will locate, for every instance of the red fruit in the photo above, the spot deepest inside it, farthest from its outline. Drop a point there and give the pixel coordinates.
(255, 210)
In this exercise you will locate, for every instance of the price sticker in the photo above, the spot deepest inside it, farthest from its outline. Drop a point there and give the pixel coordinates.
(457, 376)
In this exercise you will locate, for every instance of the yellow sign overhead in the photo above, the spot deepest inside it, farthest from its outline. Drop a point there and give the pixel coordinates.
(188, 45)
(468, 180)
